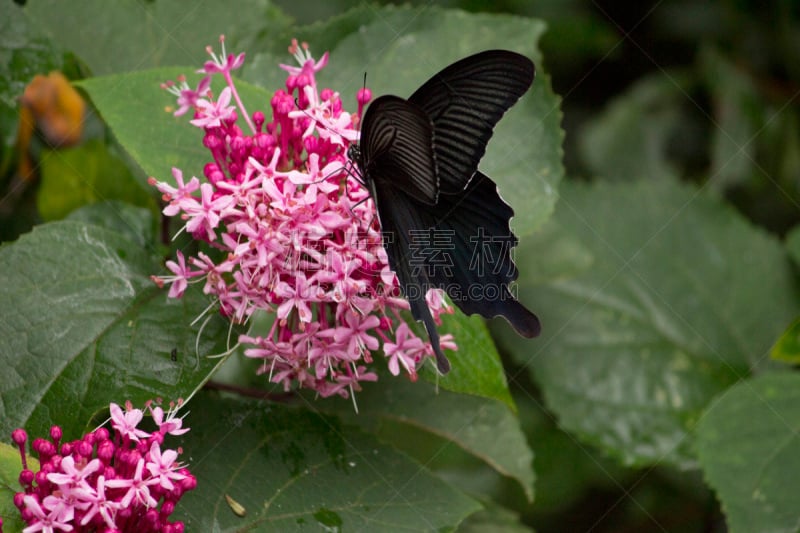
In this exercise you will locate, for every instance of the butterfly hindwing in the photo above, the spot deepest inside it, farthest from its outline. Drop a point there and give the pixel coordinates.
(400, 217)
(397, 147)
(465, 101)
(474, 231)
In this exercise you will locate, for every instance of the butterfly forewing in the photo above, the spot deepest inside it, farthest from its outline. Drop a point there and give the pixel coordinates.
(465, 101)
(397, 148)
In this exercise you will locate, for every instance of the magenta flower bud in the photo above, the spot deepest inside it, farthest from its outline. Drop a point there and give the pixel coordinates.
(124, 514)
(132, 458)
(90, 438)
(18, 496)
(37, 444)
(101, 435)
(66, 449)
(311, 144)
(209, 169)
(231, 120)
(105, 451)
(26, 478)
(167, 508)
(41, 478)
(189, 482)
(151, 518)
(19, 436)
(157, 437)
(258, 120)
(27, 515)
(363, 96)
(56, 434)
(84, 448)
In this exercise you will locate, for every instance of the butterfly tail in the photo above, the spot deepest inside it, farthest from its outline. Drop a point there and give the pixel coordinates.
(521, 319)
(420, 311)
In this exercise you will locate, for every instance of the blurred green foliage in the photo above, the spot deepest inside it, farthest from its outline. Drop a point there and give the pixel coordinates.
(663, 102)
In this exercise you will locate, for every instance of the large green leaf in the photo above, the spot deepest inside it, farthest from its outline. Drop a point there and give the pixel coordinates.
(630, 138)
(83, 325)
(140, 115)
(683, 299)
(400, 48)
(294, 470)
(485, 428)
(476, 366)
(130, 35)
(135, 223)
(747, 444)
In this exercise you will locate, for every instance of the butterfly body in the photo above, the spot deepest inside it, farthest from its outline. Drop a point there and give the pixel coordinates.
(443, 222)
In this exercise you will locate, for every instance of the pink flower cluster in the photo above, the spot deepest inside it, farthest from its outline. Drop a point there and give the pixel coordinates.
(296, 233)
(115, 483)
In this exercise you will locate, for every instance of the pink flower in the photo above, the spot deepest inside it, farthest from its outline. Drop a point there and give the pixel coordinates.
(162, 467)
(100, 475)
(296, 236)
(181, 278)
(57, 517)
(176, 195)
(125, 422)
(187, 97)
(407, 350)
(295, 297)
(138, 488)
(222, 63)
(205, 215)
(354, 333)
(213, 114)
(172, 424)
(73, 475)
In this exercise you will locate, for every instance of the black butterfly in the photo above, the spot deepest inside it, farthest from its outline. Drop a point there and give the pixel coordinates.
(442, 219)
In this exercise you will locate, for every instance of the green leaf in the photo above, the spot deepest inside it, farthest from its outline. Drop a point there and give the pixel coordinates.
(484, 428)
(493, 519)
(787, 349)
(140, 115)
(294, 470)
(793, 244)
(747, 444)
(671, 313)
(24, 52)
(524, 155)
(629, 139)
(738, 117)
(75, 177)
(133, 222)
(88, 324)
(10, 468)
(566, 470)
(476, 366)
(137, 35)
(550, 254)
